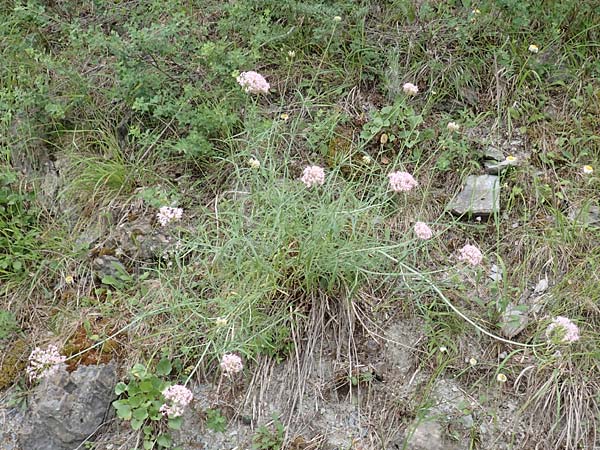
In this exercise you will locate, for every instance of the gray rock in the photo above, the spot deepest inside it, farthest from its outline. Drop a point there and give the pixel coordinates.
(140, 241)
(514, 320)
(493, 153)
(428, 435)
(108, 266)
(587, 216)
(480, 196)
(403, 338)
(10, 423)
(66, 409)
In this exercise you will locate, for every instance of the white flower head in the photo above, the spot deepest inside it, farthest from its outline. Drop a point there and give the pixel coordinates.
(501, 378)
(587, 170)
(402, 181)
(177, 398)
(563, 330)
(253, 82)
(471, 255)
(423, 231)
(312, 176)
(254, 163)
(231, 364)
(167, 214)
(453, 126)
(533, 48)
(44, 363)
(410, 89)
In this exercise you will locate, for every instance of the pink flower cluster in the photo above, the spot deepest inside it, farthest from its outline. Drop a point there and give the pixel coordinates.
(312, 176)
(167, 214)
(563, 330)
(44, 363)
(470, 254)
(410, 89)
(253, 82)
(423, 231)
(402, 181)
(231, 364)
(177, 398)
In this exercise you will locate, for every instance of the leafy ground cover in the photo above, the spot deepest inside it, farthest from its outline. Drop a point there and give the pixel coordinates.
(112, 110)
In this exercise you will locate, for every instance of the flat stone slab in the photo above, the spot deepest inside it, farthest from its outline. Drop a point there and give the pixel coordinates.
(480, 196)
(589, 216)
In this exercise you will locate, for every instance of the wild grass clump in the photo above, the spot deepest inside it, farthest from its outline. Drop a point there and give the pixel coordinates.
(296, 159)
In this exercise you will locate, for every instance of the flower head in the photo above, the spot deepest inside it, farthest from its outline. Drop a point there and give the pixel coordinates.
(410, 89)
(587, 170)
(562, 330)
(254, 163)
(44, 363)
(402, 181)
(511, 159)
(366, 159)
(312, 176)
(470, 254)
(453, 126)
(253, 82)
(231, 364)
(337, 18)
(177, 398)
(291, 53)
(501, 378)
(533, 48)
(422, 230)
(168, 214)
(473, 362)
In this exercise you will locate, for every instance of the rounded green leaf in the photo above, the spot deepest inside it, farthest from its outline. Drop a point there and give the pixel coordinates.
(140, 414)
(164, 440)
(120, 388)
(136, 424)
(163, 368)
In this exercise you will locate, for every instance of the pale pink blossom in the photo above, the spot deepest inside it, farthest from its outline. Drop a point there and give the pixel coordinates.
(312, 176)
(177, 397)
(253, 82)
(410, 89)
(423, 231)
(471, 255)
(453, 126)
(402, 181)
(44, 363)
(167, 214)
(563, 329)
(231, 364)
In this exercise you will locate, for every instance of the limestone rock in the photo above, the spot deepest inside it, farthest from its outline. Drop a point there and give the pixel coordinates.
(493, 153)
(480, 196)
(66, 409)
(428, 435)
(589, 216)
(108, 266)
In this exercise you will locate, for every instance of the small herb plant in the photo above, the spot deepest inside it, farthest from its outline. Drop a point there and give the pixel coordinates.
(140, 403)
(267, 439)
(215, 421)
